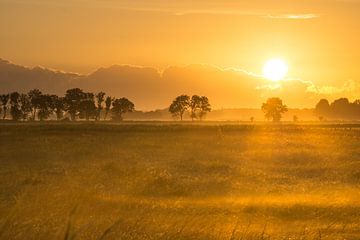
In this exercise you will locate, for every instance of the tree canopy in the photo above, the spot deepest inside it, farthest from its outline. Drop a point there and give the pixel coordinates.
(120, 107)
(341, 109)
(197, 106)
(273, 109)
(75, 104)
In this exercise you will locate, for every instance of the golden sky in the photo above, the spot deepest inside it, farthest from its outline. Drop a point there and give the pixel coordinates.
(319, 39)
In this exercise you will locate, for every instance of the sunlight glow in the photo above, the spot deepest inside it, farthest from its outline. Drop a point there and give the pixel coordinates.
(275, 69)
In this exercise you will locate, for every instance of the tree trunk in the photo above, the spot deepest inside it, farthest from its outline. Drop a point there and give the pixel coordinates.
(106, 113)
(34, 114)
(97, 117)
(4, 114)
(72, 116)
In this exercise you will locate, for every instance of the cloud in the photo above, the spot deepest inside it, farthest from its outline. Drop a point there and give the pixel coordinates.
(350, 88)
(151, 89)
(215, 12)
(294, 16)
(234, 12)
(182, 8)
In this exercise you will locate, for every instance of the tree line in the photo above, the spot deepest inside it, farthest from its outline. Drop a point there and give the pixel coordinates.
(76, 103)
(341, 108)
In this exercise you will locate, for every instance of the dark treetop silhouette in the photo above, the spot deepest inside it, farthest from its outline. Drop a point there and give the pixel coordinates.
(273, 109)
(76, 103)
(341, 108)
(197, 105)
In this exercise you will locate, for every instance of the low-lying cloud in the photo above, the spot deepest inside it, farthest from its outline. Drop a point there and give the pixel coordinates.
(294, 16)
(151, 89)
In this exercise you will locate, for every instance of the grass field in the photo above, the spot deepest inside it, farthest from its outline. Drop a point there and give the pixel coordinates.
(167, 181)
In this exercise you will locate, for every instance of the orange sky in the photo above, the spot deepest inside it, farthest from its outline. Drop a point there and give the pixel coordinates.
(319, 39)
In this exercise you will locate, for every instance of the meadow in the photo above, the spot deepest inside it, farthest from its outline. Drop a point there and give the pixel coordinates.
(179, 181)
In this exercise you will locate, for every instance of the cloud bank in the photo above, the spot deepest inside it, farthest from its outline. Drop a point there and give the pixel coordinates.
(151, 89)
(182, 8)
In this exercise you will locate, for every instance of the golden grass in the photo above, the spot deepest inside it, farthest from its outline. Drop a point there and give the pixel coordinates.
(179, 181)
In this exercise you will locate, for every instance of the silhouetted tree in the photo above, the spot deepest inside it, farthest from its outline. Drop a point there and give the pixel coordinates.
(46, 106)
(179, 106)
(204, 107)
(341, 108)
(35, 96)
(100, 98)
(72, 100)
(25, 106)
(322, 108)
(295, 118)
(356, 108)
(194, 106)
(108, 103)
(273, 109)
(87, 106)
(120, 107)
(58, 106)
(4, 98)
(15, 111)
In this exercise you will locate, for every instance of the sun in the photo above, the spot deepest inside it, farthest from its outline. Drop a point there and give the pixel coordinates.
(275, 69)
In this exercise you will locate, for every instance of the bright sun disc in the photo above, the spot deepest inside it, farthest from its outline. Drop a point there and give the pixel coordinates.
(275, 69)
